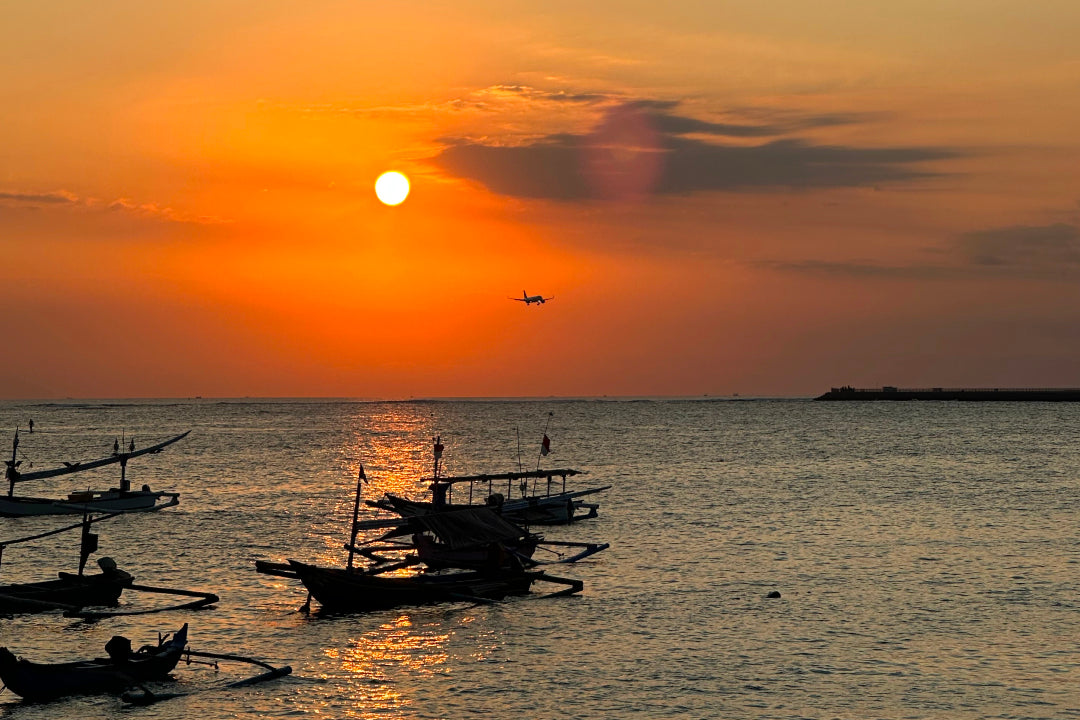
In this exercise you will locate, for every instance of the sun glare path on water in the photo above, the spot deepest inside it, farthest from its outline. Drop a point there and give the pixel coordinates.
(392, 188)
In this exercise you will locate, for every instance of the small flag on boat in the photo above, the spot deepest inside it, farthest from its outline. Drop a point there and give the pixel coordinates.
(438, 448)
(363, 476)
(545, 445)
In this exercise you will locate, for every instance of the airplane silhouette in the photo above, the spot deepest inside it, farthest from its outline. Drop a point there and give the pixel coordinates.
(530, 299)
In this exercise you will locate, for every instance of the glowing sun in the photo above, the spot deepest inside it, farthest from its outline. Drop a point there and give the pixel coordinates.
(392, 188)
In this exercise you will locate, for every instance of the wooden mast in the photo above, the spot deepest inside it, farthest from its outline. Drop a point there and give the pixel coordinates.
(360, 479)
(12, 473)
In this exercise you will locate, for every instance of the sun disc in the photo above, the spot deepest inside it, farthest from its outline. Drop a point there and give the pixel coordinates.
(392, 188)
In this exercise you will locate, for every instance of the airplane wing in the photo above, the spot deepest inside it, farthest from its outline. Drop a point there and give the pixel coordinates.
(518, 299)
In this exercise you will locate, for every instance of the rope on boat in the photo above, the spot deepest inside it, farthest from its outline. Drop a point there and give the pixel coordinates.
(76, 526)
(205, 599)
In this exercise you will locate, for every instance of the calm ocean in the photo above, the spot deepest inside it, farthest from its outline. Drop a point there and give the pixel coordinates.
(925, 553)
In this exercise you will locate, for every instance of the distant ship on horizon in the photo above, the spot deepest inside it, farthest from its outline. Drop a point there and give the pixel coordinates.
(889, 392)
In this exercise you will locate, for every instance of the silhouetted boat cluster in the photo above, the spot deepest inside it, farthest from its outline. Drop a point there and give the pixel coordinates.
(78, 594)
(479, 550)
(440, 551)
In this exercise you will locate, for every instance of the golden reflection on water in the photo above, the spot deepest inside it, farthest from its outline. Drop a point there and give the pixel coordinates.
(394, 445)
(373, 662)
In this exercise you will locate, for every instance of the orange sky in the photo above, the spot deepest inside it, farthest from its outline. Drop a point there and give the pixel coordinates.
(723, 198)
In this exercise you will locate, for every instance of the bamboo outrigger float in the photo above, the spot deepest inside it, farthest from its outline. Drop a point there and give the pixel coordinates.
(120, 499)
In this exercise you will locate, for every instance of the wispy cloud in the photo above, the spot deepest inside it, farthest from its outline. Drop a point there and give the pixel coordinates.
(493, 98)
(1024, 246)
(66, 199)
(864, 270)
(1047, 252)
(61, 197)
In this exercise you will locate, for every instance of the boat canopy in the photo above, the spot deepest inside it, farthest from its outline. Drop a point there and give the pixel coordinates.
(469, 527)
(564, 473)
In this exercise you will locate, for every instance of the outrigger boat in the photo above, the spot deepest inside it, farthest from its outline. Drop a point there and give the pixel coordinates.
(39, 682)
(495, 572)
(121, 499)
(549, 503)
(68, 592)
(72, 592)
(351, 590)
(472, 537)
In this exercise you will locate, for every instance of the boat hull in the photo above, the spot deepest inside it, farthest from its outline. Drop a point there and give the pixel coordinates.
(106, 501)
(68, 592)
(40, 682)
(504, 556)
(354, 591)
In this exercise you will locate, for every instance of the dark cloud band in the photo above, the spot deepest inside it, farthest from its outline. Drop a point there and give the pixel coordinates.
(644, 148)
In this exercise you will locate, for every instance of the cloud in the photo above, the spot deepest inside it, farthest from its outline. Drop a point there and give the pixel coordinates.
(1017, 251)
(644, 148)
(65, 199)
(494, 98)
(863, 270)
(61, 197)
(1024, 246)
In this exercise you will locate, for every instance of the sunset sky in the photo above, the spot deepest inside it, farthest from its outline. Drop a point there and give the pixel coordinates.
(765, 198)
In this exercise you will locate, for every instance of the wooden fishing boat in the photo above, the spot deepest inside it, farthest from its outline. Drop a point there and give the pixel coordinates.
(119, 499)
(73, 592)
(68, 592)
(558, 508)
(548, 503)
(38, 682)
(355, 589)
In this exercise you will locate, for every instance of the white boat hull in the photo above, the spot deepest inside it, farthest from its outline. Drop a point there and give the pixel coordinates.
(103, 501)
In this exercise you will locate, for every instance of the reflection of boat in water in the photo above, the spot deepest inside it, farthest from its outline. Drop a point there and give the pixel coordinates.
(114, 674)
(121, 499)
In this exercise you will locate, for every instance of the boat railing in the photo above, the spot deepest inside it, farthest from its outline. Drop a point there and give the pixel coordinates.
(493, 482)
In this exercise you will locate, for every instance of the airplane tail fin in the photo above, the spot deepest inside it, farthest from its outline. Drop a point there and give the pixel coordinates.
(524, 295)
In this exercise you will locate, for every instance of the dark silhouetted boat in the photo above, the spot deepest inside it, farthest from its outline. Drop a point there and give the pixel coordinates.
(121, 499)
(38, 682)
(68, 592)
(352, 590)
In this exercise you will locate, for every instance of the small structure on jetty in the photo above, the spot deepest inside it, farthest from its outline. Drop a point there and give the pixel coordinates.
(971, 394)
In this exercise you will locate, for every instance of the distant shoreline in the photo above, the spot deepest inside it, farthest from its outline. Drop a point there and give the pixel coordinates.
(966, 394)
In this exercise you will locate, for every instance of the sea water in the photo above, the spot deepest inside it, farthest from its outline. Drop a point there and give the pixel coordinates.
(925, 557)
